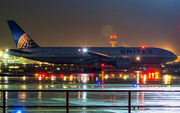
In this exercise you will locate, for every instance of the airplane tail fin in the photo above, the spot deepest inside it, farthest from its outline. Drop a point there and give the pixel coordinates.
(21, 38)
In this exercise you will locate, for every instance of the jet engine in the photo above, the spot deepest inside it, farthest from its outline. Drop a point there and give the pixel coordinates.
(123, 63)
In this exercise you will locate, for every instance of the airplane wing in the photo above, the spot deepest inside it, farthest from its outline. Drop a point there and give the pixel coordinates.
(99, 54)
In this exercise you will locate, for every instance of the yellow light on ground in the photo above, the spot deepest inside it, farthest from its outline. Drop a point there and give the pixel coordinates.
(144, 78)
(24, 78)
(36, 74)
(71, 78)
(64, 86)
(125, 77)
(46, 86)
(52, 78)
(106, 77)
(24, 86)
(138, 58)
(39, 78)
(40, 87)
(64, 78)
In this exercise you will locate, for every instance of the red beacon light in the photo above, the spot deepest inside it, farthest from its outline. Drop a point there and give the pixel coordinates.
(115, 36)
(102, 65)
(143, 47)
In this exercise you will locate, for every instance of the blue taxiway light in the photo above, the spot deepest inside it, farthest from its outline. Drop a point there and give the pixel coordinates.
(135, 85)
(18, 111)
(99, 83)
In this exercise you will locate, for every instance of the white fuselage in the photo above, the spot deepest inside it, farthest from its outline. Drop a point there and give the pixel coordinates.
(71, 55)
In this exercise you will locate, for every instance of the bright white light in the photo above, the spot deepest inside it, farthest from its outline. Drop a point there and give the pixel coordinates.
(0, 53)
(5, 55)
(84, 50)
(7, 50)
(18, 111)
(138, 58)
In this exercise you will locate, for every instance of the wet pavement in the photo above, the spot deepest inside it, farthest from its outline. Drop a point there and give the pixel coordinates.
(88, 98)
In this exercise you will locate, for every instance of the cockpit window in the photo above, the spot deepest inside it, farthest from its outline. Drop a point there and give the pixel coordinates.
(172, 54)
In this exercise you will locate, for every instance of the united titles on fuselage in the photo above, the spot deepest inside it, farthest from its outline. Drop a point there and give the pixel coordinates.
(128, 51)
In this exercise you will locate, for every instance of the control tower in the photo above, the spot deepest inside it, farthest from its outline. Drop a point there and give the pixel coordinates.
(113, 40)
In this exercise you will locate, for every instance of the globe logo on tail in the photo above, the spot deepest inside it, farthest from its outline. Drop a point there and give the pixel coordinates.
(26, 42)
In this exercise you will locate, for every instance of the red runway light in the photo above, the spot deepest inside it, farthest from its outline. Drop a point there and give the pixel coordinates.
(51, 75)
(62, 75)
(102, 65)
(43, 75)
(131, 74)
(39, 75)
(92, 75)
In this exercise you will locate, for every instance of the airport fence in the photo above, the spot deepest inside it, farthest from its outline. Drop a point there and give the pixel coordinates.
(67, 106)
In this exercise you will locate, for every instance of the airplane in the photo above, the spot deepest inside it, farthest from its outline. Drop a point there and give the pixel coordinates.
(120, 57)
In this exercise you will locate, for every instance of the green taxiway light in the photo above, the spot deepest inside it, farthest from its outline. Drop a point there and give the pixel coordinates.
(127, 75)
(99, 75)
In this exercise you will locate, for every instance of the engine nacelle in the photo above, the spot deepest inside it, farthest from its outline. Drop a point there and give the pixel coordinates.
(123, 63)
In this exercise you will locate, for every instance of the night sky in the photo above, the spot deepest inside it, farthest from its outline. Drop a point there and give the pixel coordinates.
(74, 23)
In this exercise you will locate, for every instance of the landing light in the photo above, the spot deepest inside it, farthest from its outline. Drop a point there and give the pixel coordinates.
(138, 58)
(84, 50)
